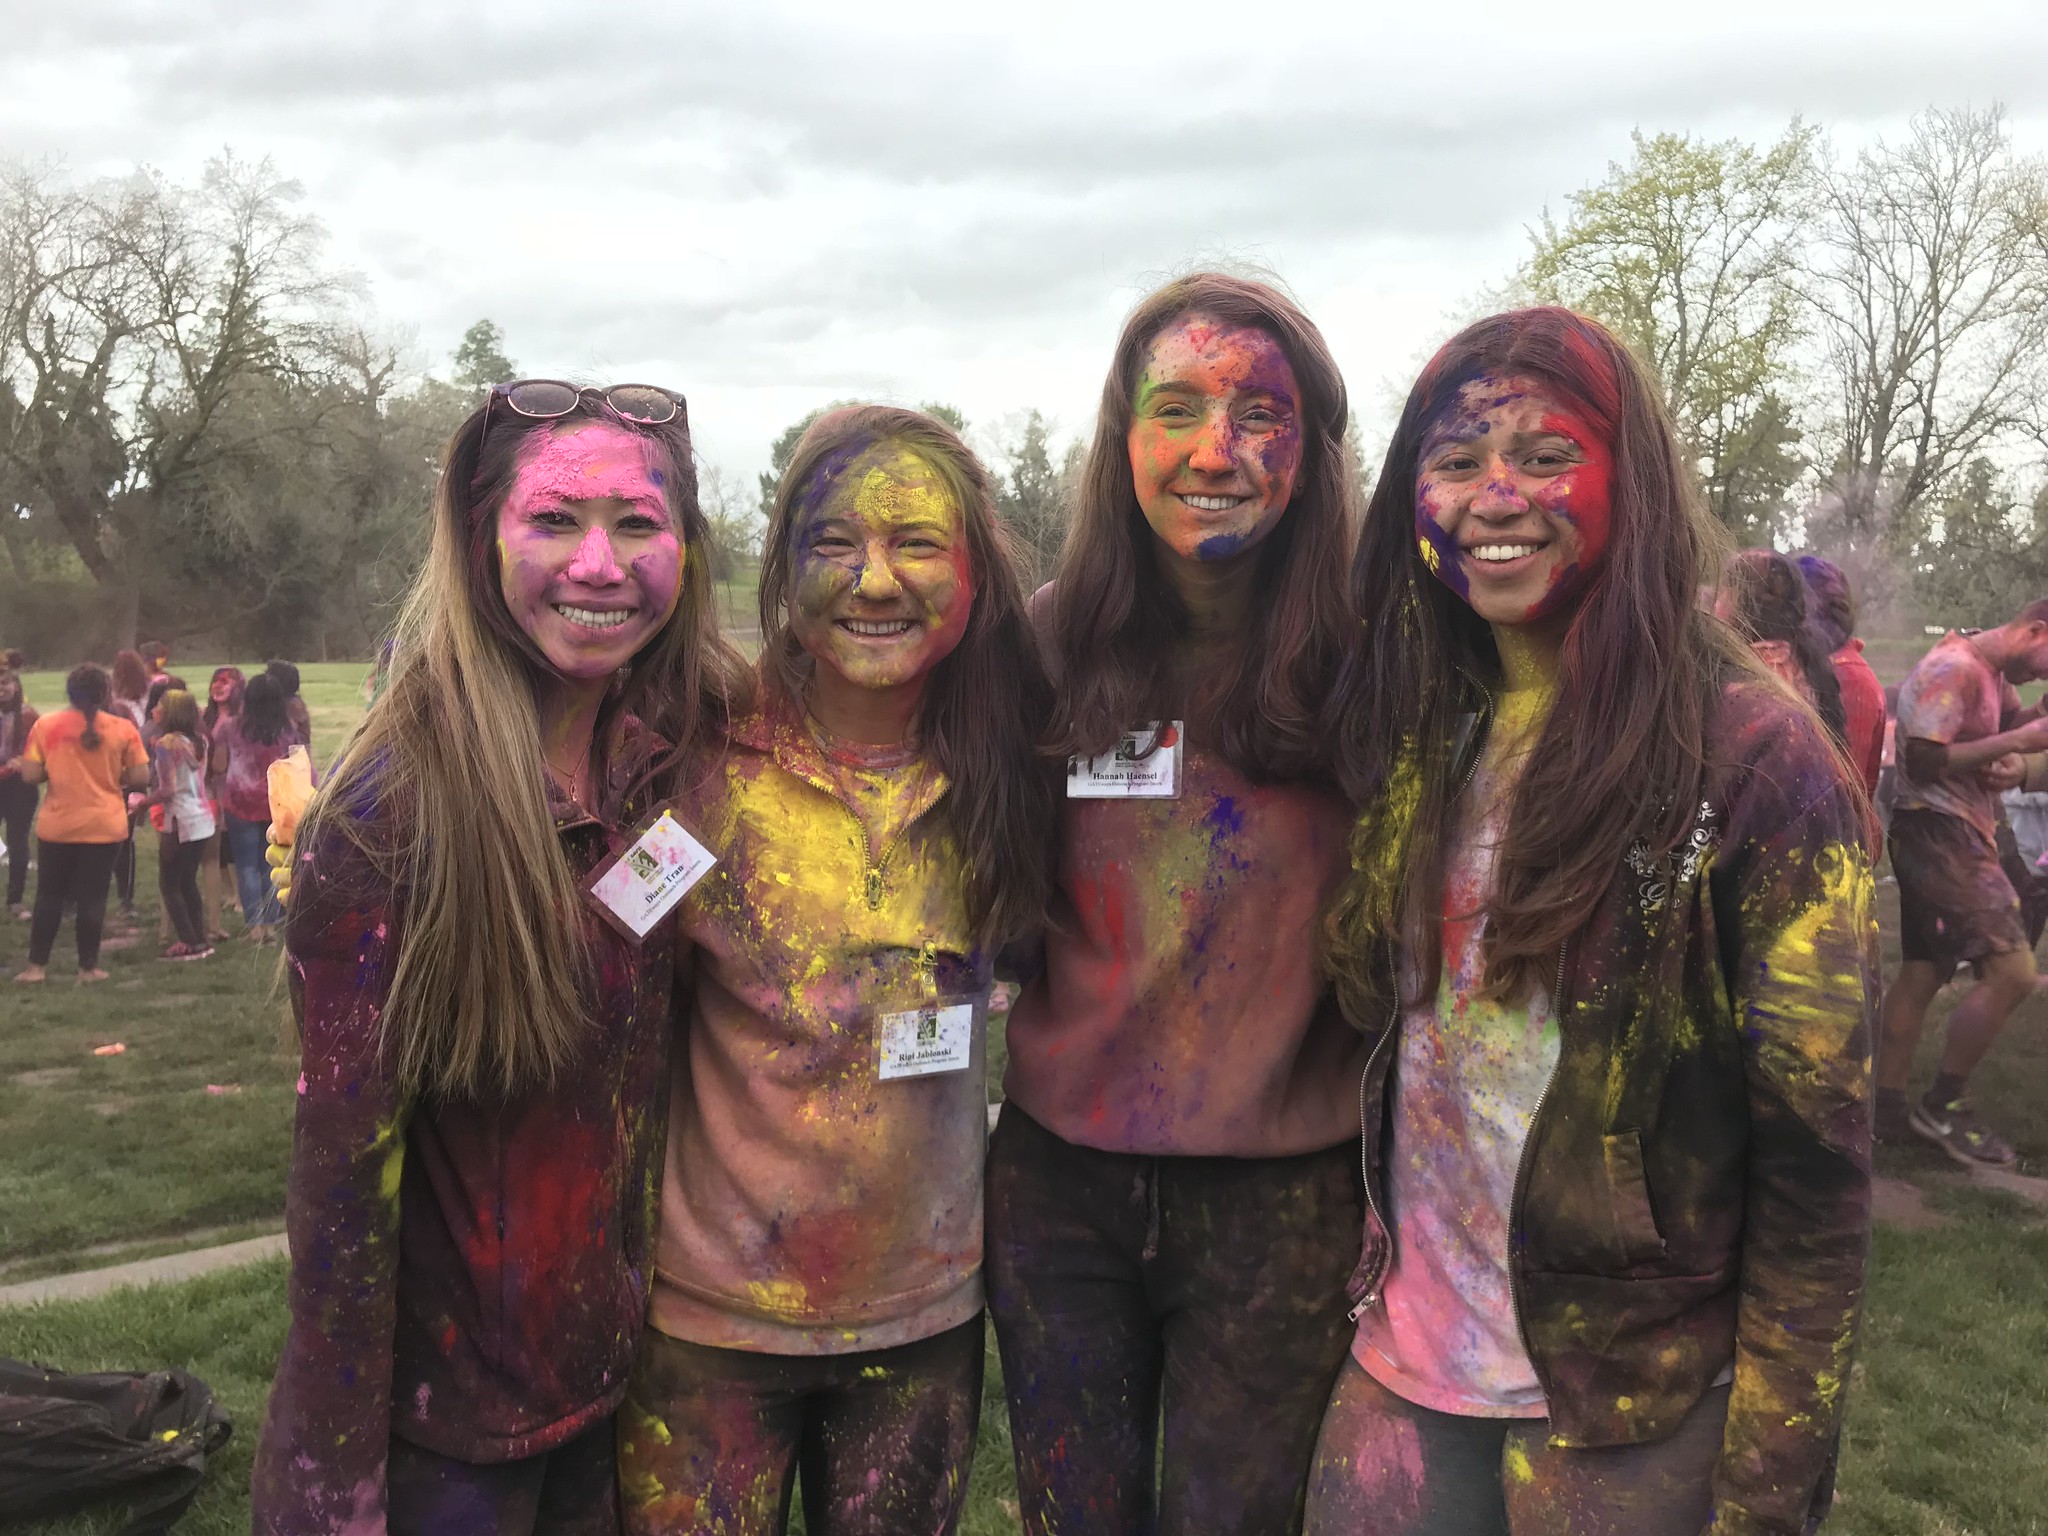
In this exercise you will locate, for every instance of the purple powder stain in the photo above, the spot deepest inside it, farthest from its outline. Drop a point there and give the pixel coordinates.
(1221, 546)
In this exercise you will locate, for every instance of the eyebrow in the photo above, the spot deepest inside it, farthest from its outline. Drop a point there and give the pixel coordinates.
(1180, 387)
(1443, 434)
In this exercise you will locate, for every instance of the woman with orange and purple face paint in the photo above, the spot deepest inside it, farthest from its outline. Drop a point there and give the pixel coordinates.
(484, 1056)
(1608, 928)
(879, 827)
(1173, 1185)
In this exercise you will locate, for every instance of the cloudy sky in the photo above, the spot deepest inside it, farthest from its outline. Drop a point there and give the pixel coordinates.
(769, 205)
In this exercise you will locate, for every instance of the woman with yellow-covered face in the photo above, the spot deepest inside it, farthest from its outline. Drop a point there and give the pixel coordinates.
(878, 825)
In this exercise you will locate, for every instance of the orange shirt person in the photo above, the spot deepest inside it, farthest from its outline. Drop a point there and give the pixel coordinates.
(89, 757)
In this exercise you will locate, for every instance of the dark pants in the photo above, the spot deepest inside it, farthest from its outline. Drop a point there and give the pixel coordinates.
(71, 872)
(1386, 1467)
(17, 815)
(177, 881)
(1213, 1285)
(124, 871)
(711, 1439)
(572, 1490)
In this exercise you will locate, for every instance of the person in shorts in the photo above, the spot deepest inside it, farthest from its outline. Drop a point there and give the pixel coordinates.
(1960, 731)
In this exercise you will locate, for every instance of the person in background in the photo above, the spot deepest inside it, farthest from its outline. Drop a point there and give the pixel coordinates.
(156, 656)
(1763, 595)
(286, 676)
(140, 806)
(17, 795)
(185, 833)
(243, 749)
(1831, 609)
(216, 882)
(90, 756)
(1961, 734)
(131, 679)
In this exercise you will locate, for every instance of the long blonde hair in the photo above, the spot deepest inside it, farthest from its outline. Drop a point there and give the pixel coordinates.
(444, 791)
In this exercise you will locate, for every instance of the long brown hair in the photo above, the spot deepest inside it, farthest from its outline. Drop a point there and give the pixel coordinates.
(1772, 603)
(443, 787)
(1622, 756)
(984, 705)
(1115, 623)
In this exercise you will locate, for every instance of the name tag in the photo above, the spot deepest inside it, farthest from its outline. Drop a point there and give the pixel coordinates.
(643, 884)
(1145, 765)
(926, 1040)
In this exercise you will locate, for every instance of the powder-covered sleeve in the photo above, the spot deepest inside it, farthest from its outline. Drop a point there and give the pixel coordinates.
(320, 1463)
(1804, 980)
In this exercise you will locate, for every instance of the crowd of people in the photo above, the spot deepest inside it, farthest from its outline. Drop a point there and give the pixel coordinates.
(136, 747)
(1439, 1099)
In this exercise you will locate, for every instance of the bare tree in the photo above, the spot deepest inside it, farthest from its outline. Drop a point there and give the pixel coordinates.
(1929, 283)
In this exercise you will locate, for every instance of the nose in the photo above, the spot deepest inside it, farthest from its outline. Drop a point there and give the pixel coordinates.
(1214, 449)
(1498, 495)
(594, 562)
(876, 582)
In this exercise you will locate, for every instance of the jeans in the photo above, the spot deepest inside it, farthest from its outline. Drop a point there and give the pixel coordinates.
(17, 816)
(1388, 1467)
(246, 842)
(711, 1439)
(177, 881)
(572, 1490)
(1213, 1286)
(71, 872)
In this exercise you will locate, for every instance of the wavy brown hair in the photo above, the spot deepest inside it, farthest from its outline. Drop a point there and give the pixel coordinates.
(1116, 624)
(1772, 603)
(1622, 756)
(985, 705)
(444, 791)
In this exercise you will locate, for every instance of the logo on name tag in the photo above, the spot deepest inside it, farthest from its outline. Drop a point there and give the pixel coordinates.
(1143, 765)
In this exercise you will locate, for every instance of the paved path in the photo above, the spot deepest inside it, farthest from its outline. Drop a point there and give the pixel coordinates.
(170, 1268)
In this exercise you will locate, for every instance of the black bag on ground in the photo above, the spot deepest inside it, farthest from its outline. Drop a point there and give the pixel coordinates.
(68, 1443)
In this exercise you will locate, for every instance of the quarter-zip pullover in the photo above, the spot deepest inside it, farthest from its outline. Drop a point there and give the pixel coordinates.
(812, 1205)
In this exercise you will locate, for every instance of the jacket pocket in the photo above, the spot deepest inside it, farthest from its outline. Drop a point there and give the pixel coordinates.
(1636, 1238)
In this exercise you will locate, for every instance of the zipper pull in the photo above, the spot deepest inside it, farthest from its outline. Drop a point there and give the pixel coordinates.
(874, 889)
(1365, 1305)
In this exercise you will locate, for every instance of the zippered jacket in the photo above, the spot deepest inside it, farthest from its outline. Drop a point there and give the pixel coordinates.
(1695, 1191)
(470, 1277)
(815, 1203)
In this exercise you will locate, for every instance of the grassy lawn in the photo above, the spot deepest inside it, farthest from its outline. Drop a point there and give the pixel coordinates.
(1948, 1411)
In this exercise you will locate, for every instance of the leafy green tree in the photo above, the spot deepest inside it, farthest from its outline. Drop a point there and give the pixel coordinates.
(480, 360)
(1691, 252)
(1986, 552)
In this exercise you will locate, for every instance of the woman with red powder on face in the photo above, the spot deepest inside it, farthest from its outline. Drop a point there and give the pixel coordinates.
(1608, 929)
(879, 827)
(1173, 1184)
(484, 1056)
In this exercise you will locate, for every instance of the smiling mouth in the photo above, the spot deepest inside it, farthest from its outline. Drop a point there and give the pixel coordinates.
(591, 618)
(877, 629)
(1212, 503)
(1498, 554)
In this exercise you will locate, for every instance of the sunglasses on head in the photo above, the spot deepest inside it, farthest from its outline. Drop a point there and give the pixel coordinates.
(642, 405)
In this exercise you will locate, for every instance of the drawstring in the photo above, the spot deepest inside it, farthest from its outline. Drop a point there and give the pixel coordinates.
(1151, 1179)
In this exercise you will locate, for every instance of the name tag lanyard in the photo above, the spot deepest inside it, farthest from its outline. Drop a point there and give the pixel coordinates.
(1145, 764)
(641, 884)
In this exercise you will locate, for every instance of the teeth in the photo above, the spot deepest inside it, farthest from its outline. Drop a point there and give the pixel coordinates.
(878, 626)
(1500, 551)
(1212, 503)
(591, 618)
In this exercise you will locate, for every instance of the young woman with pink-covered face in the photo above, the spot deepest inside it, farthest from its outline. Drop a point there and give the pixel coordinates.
(1607, 929)
(1172, 1183)
(484, 1060)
